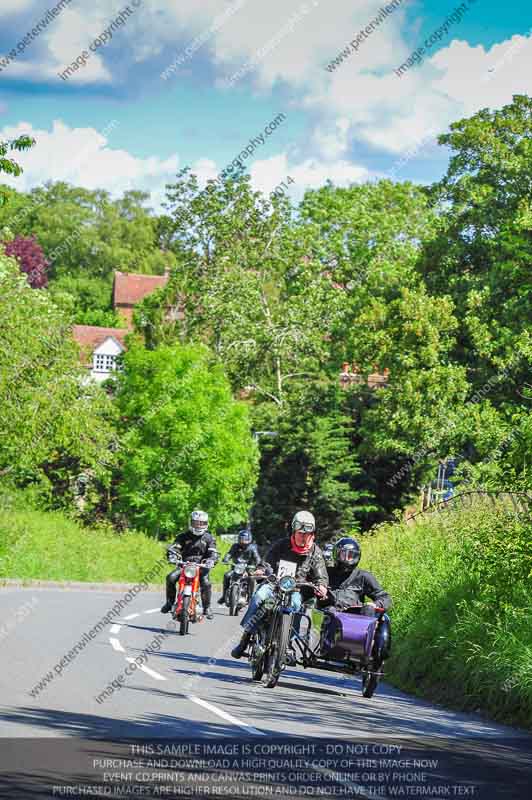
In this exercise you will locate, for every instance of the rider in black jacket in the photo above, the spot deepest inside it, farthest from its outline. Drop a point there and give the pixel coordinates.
(303, 557)
(350, 586)
(196, 544)
(246, 550)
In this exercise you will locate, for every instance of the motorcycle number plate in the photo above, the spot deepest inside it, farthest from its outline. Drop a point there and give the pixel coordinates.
(187, 590)
(286, 568)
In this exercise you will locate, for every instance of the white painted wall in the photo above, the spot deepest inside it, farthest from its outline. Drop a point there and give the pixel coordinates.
(103, 358)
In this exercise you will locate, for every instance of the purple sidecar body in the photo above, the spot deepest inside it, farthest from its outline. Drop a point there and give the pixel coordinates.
(348, 636)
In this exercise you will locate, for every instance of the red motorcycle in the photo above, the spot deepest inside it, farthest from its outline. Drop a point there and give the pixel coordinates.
(186, 607)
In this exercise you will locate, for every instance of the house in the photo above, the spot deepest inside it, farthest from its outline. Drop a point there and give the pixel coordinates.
(350, 375)
(129, 289)
(100, 347)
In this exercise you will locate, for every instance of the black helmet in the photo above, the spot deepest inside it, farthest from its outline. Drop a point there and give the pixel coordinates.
(346, 553)
(245, 537)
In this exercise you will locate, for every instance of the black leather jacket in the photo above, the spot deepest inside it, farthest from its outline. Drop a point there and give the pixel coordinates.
(310, 567)
(351, 588)
(196, 548)
(248, 553)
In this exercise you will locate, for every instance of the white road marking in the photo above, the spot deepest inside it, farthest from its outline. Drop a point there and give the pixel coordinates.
(224, 715)
(153, 611)
(147, 670)
(116, 645)
(115, 628)
(132, 616)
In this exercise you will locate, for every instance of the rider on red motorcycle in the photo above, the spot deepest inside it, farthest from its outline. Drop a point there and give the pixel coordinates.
(196, 544)
(348, 585)
(308, 564)
(246, 550)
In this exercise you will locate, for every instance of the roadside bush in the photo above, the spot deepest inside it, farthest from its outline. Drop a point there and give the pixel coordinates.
(462, 589)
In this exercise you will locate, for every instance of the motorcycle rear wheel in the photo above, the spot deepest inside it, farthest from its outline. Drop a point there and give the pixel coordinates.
(183, 627)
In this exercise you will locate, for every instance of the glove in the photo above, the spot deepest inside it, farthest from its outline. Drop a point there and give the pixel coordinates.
(209, 564)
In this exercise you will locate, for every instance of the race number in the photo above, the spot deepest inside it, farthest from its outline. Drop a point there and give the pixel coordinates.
(286, 568)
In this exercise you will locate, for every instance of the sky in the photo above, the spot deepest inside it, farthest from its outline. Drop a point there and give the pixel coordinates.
(163, 84)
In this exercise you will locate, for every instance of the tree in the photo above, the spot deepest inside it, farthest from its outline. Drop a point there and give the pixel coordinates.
(246, 279)
(483, 247)
(30, 256)
(9, 165)
(312, 463)
(55, 427)
(185, 443)
(86, 236)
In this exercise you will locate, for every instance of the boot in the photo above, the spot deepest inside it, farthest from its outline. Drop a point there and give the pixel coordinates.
(167, 607)
(238, 651)
(221, 600)
(206, 594)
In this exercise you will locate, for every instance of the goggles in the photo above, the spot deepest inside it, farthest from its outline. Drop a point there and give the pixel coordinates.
(303, 527)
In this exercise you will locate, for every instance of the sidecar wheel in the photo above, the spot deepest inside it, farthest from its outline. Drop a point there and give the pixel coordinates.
(369, 684)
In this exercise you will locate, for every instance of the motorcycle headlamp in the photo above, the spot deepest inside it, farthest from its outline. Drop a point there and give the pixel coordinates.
(287, 583)
(190, 571)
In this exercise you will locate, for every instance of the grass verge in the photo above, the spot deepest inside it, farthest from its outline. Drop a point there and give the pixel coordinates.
(49, 546)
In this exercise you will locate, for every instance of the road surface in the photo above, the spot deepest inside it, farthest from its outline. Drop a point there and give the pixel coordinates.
(56, 732)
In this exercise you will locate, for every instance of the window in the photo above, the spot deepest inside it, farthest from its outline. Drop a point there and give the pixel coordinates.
(104, 362)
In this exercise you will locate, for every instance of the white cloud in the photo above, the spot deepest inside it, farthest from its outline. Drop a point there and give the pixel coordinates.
(15, 6)
(307, 174)
(84, 157)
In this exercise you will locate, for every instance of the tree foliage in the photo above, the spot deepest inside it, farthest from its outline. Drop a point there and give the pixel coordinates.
(30, 256)
(186, 442)
(54, 426)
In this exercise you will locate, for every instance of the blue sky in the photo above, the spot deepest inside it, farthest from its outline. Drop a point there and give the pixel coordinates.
(117, 124)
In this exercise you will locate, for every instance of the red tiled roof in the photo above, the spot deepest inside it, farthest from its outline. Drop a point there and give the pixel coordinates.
(129, 288)
(89, 337)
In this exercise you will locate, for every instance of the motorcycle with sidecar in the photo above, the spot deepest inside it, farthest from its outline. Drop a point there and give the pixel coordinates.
(352, 641)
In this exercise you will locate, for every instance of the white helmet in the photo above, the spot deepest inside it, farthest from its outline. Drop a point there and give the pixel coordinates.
(304, 521)
(199, 522)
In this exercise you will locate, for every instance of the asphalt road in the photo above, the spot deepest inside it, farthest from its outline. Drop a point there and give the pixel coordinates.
(189, 690)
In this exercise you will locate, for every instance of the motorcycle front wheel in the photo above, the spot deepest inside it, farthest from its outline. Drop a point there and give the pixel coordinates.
(276, 658)
(183, 627)
(234, 597)
(257, 658)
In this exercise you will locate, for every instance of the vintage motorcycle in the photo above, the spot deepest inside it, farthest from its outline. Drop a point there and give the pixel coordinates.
(241, 585)
(186, 606)
(350, 642)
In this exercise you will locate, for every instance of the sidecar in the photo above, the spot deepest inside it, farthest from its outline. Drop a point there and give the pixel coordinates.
(350, 642)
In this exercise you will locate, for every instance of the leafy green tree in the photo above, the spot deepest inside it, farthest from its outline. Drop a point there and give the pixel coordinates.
(8, 165)
(248, 283)
(483, 246)
(186, 443)
(85, 234)
(55, 426)
(312, 463)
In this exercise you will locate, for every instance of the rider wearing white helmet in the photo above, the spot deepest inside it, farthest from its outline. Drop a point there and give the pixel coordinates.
(196, 544)
(299, 549)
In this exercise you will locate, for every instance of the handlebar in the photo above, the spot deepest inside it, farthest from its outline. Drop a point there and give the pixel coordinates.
(203, 563)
